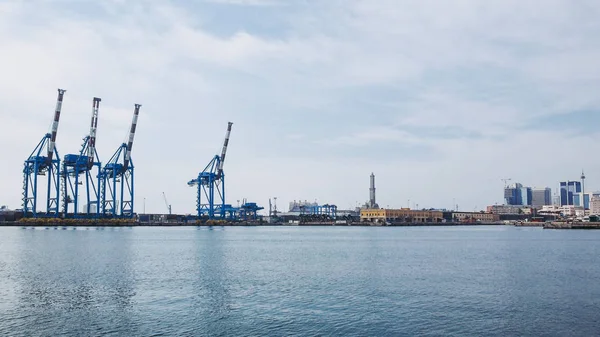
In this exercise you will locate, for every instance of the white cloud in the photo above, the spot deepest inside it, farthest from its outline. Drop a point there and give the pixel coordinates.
(373, 136)
(247, 2)
(484, 68)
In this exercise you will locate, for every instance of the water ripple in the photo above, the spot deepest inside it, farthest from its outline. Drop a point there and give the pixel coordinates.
(286, 281)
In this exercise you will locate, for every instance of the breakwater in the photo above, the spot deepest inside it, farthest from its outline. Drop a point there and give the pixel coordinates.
(572, 225)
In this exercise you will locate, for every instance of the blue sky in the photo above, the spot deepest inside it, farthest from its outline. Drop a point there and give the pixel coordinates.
(440, 99)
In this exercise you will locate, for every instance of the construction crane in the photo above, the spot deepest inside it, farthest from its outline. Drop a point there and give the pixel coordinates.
(167, 203)
(211, 184)
(87, 164)
(39, 165)
(117, 177)
(506, 180)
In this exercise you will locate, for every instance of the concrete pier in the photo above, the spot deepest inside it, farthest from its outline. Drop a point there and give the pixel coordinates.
(572, 225)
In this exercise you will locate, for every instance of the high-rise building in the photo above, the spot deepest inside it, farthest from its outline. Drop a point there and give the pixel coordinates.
(517, 194)
(585, 204)
(526, 196)
(541, 197)
(595, 204)
(567, 190)
(577, 199)
(512, 194)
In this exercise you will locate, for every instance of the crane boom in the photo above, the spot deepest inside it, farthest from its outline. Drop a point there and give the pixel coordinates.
(93, 128)
(136, 113)
(224, 151)
(167, 203)
(52, 142)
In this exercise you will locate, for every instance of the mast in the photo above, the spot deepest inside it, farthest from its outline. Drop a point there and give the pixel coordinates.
(224, 151)
(93, 128)
(136, 113)
(51, 144)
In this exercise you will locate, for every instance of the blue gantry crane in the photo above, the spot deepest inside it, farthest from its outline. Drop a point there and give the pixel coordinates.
(248, 211)
(117, 190)
(210, 199)
(39, 165)
(87, 164)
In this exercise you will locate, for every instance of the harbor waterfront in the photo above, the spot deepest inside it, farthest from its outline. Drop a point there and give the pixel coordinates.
(54, 223)
(283, 280)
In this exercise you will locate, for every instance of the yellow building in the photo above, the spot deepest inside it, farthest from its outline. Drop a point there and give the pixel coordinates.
(399, 215)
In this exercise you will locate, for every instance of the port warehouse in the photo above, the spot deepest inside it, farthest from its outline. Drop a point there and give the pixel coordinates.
(425, 216)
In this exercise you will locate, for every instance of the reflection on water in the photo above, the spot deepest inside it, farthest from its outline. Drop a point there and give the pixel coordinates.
(76, 275)
(210, 287)
(292, 280)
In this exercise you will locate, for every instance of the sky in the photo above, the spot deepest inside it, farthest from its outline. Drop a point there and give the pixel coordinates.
(440, 99)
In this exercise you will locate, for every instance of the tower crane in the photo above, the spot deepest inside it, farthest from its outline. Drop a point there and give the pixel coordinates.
(39, 165)
(118, 177)
(87, 164)
(506, 180)
(211, 183)
(167, 203)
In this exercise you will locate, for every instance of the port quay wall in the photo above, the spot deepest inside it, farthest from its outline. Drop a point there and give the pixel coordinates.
(232, 224)
(552, 225)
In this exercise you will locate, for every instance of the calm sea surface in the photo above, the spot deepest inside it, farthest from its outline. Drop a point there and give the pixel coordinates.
(279, 281)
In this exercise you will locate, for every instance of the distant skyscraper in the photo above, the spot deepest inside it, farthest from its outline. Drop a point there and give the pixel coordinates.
(587, 197)
(595, 204)
(567, 190)
(517, 194)
(526, 196)
(556, 199)
(512, 194)
(585, 200)
(541, 197)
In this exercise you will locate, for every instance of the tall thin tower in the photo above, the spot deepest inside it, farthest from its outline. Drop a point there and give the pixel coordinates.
(583, 189)
(372, 203)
